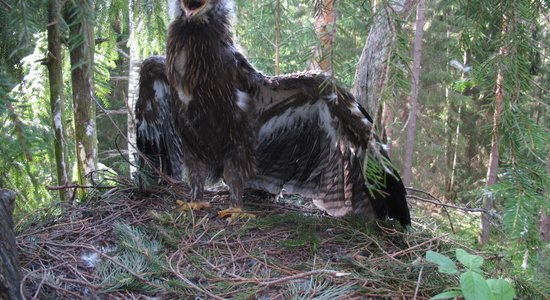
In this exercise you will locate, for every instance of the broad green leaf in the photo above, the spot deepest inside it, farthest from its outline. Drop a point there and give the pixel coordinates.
(475, 287)
(502, 289)
(470, 261)
(445, 264)
(447, 295)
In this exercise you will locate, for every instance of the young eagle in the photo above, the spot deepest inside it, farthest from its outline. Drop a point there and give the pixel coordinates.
(302, 133)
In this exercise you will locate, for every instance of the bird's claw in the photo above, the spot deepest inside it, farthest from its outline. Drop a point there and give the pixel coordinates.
(235, 213)
(192, 206)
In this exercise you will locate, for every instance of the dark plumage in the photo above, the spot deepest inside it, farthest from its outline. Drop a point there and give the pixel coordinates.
(302, 133)
(216, 133)
(155, 136)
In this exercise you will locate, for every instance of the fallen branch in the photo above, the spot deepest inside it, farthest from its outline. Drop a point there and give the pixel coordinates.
(77, 186)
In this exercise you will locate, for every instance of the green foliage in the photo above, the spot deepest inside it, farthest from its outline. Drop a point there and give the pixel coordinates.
(136, 254)
(472, 283)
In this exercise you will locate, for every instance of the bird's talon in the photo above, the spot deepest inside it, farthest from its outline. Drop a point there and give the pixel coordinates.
(235, 213)
(194, 206)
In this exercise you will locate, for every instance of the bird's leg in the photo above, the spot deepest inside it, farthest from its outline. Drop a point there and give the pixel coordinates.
(233, 177)
(197, 177)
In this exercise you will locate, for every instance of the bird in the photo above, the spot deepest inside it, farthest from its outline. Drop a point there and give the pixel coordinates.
(300, 133)
(216, 134)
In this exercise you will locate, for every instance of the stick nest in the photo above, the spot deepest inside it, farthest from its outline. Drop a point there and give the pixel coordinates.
(134, 244)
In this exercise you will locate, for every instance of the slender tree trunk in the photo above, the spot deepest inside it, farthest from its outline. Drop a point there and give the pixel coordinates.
(133, 81)
(57, 101)
(372, 71)
(492, 169)
(82, 76)
(325, 28)
(415, 86)
(10, 269)
(277, 37)
(450, 191)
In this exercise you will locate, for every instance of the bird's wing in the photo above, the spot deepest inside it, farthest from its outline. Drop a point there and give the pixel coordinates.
(155, 135)
(313, 138)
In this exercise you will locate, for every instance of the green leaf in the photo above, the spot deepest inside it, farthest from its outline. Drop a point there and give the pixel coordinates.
(470, 261)
(474, 286)
(447, 295)
(502, 289)
(445, 264)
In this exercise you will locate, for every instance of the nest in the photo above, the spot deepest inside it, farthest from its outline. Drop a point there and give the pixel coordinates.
(130, 244)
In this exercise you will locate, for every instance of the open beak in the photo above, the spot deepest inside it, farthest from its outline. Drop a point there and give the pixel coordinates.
(192, 7)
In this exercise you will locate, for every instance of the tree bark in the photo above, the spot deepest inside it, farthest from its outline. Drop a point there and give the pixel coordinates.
(277, 37)
(325, 28)
(492, 169)
(79, 16)
(133, 82)
(57, 101)
(415, 86)
(10, 269)
(373, 69)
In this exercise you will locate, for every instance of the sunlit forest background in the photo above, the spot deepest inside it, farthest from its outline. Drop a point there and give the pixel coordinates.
(484, 86)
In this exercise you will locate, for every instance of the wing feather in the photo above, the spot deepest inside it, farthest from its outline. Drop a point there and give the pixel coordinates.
(155, 135)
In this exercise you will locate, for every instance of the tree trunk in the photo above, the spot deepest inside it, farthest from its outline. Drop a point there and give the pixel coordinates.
(415, 86)
(57, 101)
(79, 16)
(372, 71)
(10, 270)
(277, 37)
(492, 169)
(325, 28)
(133, 81)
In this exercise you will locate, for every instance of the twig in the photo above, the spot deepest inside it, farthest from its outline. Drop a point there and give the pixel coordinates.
(77, 186)
(399, 253)
(448, 205)
(418, 282)
(301, 275)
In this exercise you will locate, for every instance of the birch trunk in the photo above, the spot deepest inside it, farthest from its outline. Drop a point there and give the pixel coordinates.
(57, 101)
(415, 86)
(133, 81)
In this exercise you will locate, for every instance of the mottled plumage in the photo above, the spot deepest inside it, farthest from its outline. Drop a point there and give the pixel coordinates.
(215, 131)
(302, 133)
(155, 135)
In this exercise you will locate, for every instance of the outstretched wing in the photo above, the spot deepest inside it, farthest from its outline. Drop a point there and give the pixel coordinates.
(313, 139)
(155, 135)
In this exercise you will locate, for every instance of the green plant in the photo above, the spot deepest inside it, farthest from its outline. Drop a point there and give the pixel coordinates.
(473, 284)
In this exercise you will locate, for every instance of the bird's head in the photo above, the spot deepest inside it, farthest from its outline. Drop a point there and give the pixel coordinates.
(196, 8)
(199, 10)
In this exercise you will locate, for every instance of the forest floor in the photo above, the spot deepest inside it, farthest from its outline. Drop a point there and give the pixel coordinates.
(127, 243)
